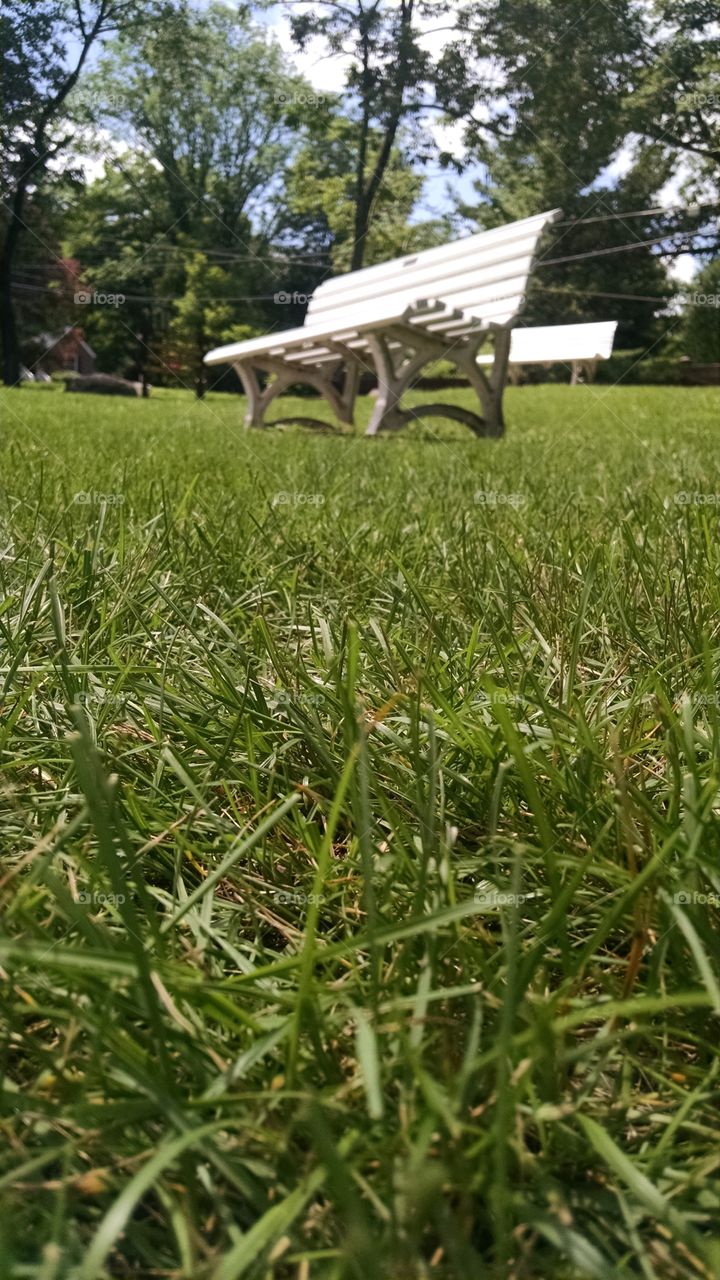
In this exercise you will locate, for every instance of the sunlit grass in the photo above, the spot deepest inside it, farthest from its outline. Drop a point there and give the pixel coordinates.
(360, 832)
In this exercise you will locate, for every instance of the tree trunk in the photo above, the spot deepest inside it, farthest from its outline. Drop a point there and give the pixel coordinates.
(201, 346)
(360, 232)
(10, 344)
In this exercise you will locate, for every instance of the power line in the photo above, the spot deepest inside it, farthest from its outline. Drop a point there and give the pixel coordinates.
(622, 248)
(268, 297)
(594, 293)
(144, 297)
(638, 213)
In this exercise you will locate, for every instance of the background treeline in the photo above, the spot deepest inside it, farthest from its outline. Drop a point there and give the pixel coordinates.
(172, 153)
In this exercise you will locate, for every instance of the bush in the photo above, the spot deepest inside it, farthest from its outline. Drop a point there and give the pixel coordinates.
(630, 367)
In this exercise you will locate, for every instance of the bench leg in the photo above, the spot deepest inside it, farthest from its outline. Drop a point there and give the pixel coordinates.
(251, 387)
(392, 383)
(396, 372)
(351, 383)
(490, 388)
(284, 376)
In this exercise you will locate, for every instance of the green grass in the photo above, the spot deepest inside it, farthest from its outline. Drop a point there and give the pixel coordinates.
(360, 881)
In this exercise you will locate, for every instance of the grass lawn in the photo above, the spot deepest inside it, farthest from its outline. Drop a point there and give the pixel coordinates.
(359, 817)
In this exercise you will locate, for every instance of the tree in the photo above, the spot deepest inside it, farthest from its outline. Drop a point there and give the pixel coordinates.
(44, 46)
(111, 232)
(677, 102)
(551, 77)
(576, 86)
(676, 108)
(390, 83)
(320, 187)
(201, 134)
(559, 120)
(201, 320)
(199, 93)
(702, 315)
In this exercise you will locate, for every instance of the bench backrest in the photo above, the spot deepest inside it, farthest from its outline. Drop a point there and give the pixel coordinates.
(484, 276)
(564, 342)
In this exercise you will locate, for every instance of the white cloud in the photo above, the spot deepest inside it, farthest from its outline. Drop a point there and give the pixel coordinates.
(684, 268)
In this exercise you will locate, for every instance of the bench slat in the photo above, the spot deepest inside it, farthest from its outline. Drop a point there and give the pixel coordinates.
(500, 244)
(483, 275)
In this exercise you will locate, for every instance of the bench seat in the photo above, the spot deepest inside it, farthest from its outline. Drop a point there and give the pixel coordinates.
(579, 345)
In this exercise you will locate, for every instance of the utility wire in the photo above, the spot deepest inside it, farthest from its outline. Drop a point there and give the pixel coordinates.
(594, 293)
(621, 248)
(638, 213)
(551, 262)
(310, 260)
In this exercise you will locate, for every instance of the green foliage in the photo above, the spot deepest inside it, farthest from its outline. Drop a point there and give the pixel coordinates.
(701, 330)
(320, 197)
(391, 84)
(676, 98)
(44, 47)
(564, 68)
(200, 320)
(360, 842)
(203, 94)
(203, 99)
(633, 368)
(554, 131)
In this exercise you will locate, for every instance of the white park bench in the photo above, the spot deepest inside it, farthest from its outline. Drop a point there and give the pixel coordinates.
(392, 319)
(577, 345)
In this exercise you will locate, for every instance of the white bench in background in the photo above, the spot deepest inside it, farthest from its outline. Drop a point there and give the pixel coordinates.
(393, 319)
(579, 345)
